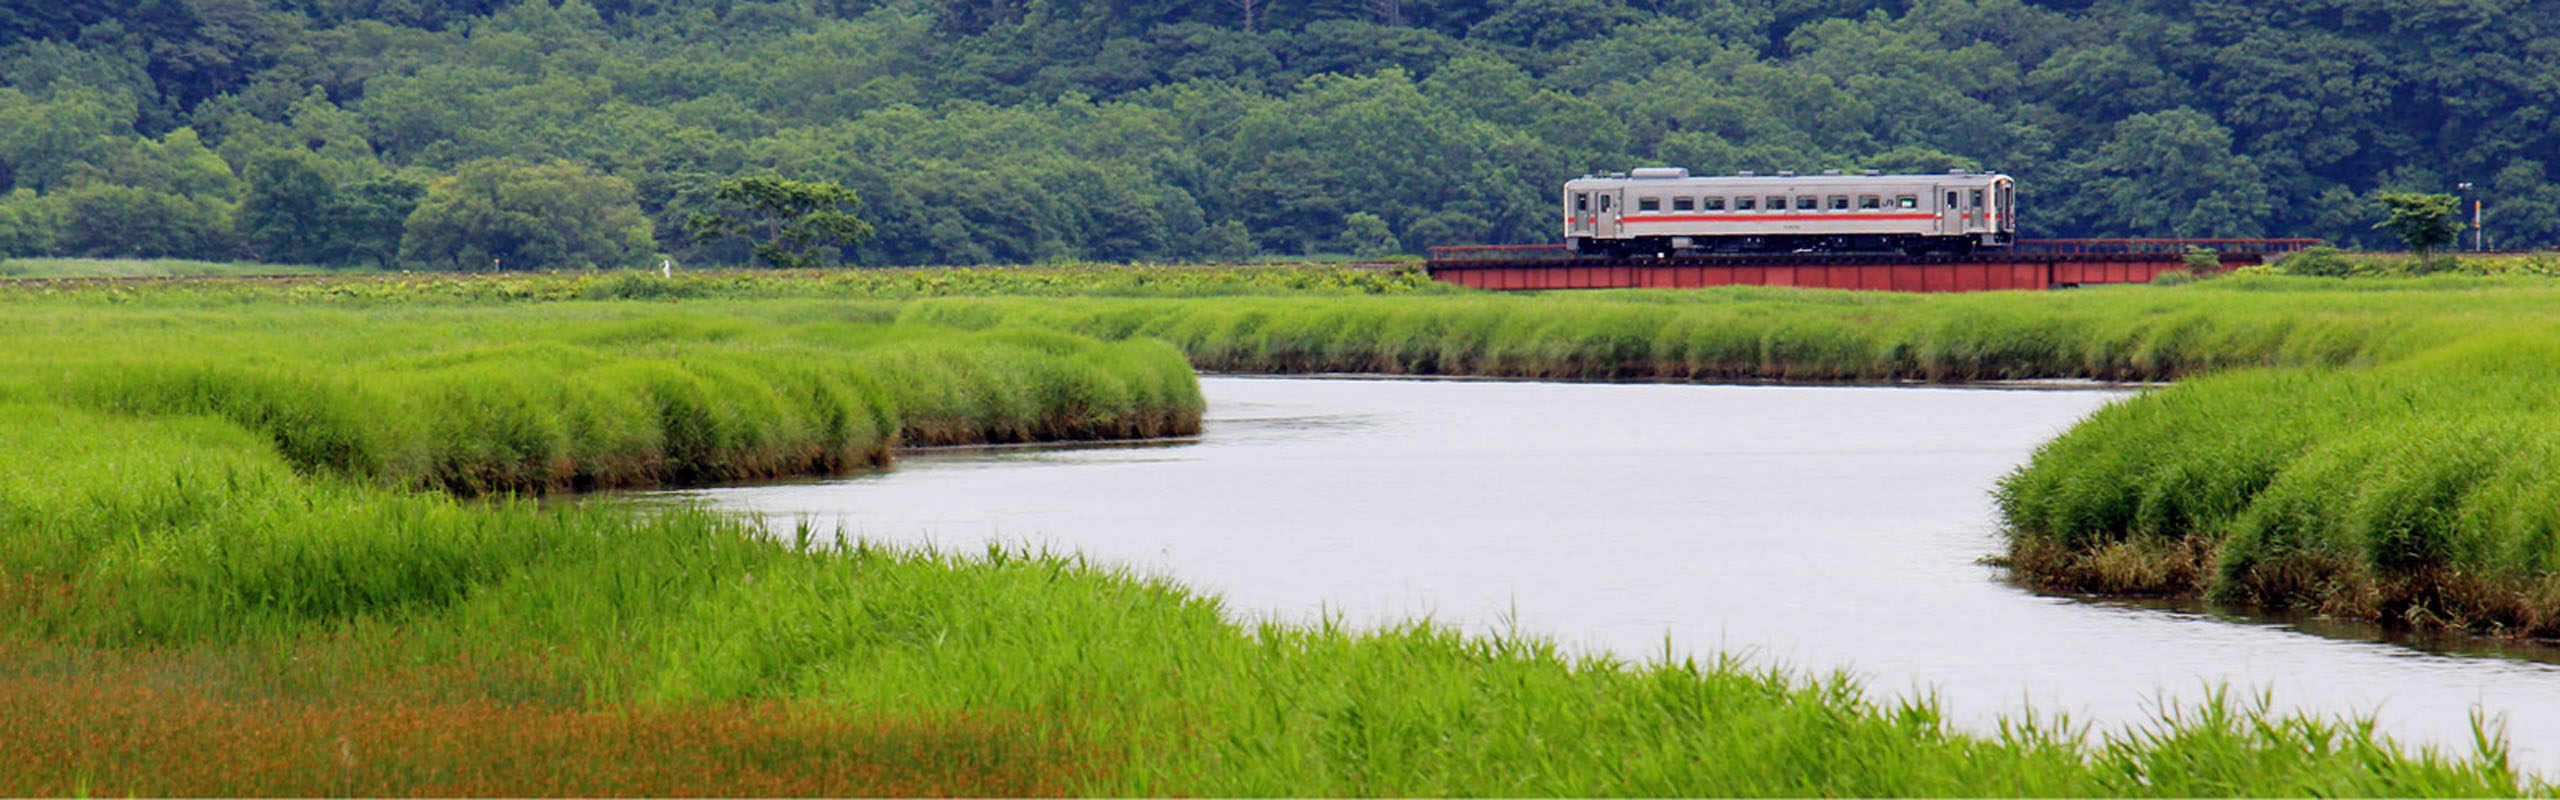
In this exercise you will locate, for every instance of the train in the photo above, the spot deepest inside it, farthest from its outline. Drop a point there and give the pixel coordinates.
(1661, 212)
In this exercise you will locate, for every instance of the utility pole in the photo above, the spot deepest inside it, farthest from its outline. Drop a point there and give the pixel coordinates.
(2479, 235)
(2465, 188)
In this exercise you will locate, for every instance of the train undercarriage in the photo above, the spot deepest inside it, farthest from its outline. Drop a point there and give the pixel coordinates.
(1674, 246)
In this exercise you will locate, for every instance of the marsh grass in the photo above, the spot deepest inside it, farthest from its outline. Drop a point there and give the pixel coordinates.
(535, 399)
(2415, 493)
(142, 268)
(2334, 263)
(305, 285)
(161, 723)
(510, 648)
(1756, 333)
(247, 566)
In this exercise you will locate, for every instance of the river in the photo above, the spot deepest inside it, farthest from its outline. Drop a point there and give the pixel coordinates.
(1816, 528)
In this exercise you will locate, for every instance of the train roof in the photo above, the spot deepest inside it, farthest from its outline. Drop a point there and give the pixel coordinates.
(1681, 177)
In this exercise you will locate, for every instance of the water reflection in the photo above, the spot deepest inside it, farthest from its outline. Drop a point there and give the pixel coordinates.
(1813, 527)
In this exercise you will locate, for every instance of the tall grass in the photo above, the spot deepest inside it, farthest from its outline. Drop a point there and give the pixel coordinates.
(2414, 493)
(407, 288)
(2131, 333)
(319, 634)
(541, 399)
(248, 511)
(142, 268)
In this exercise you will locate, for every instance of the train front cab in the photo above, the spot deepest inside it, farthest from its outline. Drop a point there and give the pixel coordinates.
(1981, 214)
(1591, 213)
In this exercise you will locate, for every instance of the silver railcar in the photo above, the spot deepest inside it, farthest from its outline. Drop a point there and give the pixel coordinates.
(1663, 211)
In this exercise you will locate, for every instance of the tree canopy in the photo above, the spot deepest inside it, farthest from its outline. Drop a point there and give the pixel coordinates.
(795, 223)
(346, 131)
(2424, 221)
(499, 214)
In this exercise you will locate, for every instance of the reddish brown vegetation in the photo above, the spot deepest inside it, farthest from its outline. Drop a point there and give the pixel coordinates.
(2139, 567)
(79, 721)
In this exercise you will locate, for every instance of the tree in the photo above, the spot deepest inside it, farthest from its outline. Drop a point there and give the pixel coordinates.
(2171, 173)
(506, 214)
(104, 220)
(281, 215)
(2424, 221)
(1226, 241)
(42, 143)
(26, 224)
(1366, 235)
(2524, 207)
(799, 221)
(365, 219)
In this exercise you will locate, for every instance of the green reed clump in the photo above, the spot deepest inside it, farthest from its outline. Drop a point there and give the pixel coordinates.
(195, 283)
(2132, 333)
(593, 395)
(2413, 493)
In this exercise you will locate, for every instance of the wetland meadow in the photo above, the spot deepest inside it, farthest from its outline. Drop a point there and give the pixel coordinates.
(347, 535)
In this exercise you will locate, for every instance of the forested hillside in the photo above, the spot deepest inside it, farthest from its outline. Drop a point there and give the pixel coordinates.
(533, 134)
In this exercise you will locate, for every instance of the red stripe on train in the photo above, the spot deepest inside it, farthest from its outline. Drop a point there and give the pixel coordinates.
(1810, 216)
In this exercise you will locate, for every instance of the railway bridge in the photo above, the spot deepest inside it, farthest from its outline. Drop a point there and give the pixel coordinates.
(2029, 264)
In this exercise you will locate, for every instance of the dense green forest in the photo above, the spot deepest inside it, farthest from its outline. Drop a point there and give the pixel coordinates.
(537, 134)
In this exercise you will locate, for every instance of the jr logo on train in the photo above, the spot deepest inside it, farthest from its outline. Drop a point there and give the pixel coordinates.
(1663, 212)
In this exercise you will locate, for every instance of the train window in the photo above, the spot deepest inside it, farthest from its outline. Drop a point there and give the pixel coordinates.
(1977, 199)
(1839, 202)
(1582, 202)
(1805, 202)
(1604, 201)
(1777, 203)
(1745, 203)
(1870, 201)
(1717, 203)
(1684, 203)
(1951, 200)
(1655, 203)
(1907, 201)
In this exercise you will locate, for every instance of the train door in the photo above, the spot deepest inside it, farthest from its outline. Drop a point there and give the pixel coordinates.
(2005, 209)
(1951, 216)
(1605, 211)
(1977, 210)
(1578, 214)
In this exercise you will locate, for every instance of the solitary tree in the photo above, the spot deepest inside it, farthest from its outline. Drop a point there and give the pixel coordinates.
(2425, 221)
(797, 224)
(1366, 235)
(505, 214)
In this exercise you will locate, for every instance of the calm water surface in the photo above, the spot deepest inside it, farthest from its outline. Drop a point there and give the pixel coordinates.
(1815, 528)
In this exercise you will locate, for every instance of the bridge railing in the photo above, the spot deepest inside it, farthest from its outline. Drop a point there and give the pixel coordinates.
(2117, 247)
(1499, 252)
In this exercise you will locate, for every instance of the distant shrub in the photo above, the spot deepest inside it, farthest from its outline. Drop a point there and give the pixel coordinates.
(2202, 258)
(643, 286)
(2317, 262)
(2174, 277)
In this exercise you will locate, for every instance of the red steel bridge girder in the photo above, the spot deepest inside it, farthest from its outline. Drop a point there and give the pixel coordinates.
(2034, 264)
